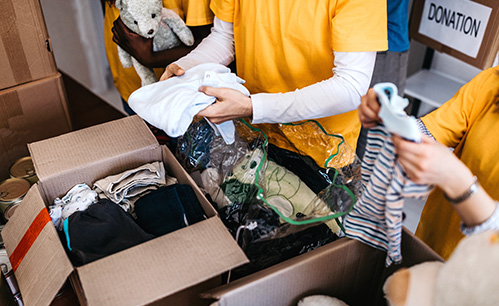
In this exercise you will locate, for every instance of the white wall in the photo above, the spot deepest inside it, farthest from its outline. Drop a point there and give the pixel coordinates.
(76, 31)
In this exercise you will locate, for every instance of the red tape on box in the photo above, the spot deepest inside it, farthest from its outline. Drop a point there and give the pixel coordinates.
(29, 238)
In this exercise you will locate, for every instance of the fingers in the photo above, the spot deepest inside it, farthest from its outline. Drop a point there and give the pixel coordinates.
(170, 71)
(211, 91)
(369, 109)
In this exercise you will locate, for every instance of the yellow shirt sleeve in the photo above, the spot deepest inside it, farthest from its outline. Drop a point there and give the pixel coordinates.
(359, 25)
(449, 123)
(223, 9)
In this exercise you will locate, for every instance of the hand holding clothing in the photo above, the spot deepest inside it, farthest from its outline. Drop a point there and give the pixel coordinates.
(432, 163)
(369, 109)
(170, 71)
(230, 104)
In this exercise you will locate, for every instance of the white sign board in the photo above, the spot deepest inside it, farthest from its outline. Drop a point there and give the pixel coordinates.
(459, 24)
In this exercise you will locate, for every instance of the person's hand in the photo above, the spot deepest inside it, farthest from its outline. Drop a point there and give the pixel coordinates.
(230, 104)
(137, 46)
(170, 71)
(429, 162)
(368, 109)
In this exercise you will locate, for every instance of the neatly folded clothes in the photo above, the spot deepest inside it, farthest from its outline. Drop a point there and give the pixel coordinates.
(126, 187)
(102, 229)
(168, 209)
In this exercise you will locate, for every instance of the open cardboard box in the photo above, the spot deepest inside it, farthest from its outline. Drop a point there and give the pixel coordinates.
(347, 269)
(171, 269)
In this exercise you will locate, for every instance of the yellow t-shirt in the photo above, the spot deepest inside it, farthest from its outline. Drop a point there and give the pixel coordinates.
(193, 12)
(467, 123)
(286, 45)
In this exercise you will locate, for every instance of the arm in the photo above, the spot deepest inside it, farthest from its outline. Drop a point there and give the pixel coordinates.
(339, 94)
(432, 163)
(218, 47)
(141, 48)
(336, 95)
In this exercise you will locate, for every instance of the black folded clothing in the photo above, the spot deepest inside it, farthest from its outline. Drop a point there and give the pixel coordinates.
(104, 228)
(168, 209)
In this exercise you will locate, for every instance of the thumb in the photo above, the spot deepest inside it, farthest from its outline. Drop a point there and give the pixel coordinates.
(210, 91)
(171, 70)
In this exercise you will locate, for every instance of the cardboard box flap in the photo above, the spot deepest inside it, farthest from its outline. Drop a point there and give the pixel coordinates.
(87, 146)
(163, 266)
(38, 258)
(330, 269)
(347, 269)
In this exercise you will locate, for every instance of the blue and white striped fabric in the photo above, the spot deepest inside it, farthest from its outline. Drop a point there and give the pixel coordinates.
(377, 217)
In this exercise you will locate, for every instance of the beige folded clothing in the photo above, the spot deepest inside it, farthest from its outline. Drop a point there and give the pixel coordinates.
(125, 188)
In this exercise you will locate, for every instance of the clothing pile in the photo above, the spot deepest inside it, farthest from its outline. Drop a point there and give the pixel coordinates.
(121, 211)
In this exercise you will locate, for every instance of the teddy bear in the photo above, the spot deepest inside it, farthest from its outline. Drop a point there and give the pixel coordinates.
(150, 19)
(469, 277)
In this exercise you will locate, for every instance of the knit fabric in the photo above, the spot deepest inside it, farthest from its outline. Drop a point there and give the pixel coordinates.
(377, 217)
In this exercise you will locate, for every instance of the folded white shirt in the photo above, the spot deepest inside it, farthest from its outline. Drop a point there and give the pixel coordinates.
(172, 104)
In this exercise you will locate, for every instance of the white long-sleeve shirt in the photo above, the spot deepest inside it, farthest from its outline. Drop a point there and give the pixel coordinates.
(339, 94)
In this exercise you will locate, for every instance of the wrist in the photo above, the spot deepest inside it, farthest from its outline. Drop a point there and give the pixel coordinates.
(458, 195)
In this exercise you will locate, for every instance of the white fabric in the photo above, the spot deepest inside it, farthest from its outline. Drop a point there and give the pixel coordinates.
(336, 95)
(77, 199)
(339, 94)
(172, 104)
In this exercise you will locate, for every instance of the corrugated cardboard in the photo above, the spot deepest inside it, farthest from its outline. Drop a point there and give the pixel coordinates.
(490, 42)
(347, 269)
(192, 257)
(25, 51)
(30, 112)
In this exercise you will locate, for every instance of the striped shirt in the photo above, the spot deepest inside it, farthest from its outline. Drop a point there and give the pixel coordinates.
(377, 216)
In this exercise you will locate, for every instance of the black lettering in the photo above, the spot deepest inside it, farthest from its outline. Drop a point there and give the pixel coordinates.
(476, 27)
(452, 21)
(431, 12)
(438, 14)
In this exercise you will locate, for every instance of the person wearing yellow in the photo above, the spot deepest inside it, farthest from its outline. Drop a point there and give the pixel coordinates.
(197, 16)
(467, 178)
(300, 60)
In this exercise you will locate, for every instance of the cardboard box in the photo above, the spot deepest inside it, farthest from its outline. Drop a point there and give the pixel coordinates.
(25, 50)
(183, 262)
(467, 30)
(347, 269)
(30, 112)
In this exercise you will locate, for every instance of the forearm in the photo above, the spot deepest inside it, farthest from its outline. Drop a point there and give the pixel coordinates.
(475, 209)
(217, 47)
(336, 95)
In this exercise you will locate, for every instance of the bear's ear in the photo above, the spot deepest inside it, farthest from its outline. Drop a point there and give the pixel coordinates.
(118, 4)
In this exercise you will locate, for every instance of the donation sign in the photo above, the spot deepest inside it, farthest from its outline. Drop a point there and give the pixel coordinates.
(459, 24)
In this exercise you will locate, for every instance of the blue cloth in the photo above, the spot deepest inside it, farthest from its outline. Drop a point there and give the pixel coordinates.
(398, 25)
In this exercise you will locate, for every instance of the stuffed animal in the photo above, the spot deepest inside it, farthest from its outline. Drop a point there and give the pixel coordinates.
(150, 19)
(469, 277)
(320, 300)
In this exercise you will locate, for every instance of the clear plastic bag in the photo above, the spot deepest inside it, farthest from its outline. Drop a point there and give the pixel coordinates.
(275, 202)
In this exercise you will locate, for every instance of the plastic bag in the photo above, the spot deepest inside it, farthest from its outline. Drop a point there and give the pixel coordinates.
(275, 202)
